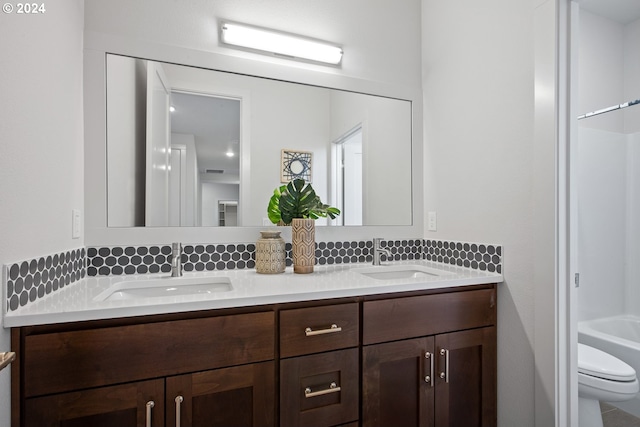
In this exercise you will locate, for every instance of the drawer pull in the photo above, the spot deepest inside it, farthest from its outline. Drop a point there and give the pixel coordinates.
(333, 388)
(150, 405)
(333, 328)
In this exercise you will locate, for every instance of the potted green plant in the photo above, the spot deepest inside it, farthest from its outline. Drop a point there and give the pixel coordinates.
(298, 205)
(297, 199)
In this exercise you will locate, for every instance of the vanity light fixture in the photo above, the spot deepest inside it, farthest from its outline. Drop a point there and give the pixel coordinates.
(288, 45)
(230, 153)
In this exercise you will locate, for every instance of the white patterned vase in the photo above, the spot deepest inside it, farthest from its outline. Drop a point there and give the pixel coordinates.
(303, 242)
(270, 253)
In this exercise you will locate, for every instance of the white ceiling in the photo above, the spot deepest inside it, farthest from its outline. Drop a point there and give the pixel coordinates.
(623, 11)
(215, 123)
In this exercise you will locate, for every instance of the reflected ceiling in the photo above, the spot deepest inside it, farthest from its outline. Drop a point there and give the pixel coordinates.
(215, 124)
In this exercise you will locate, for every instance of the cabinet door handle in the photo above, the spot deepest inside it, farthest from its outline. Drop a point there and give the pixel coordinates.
(445, 374)
(333, 388)
(330, 330)
(179, 399)
(150, 405)
(429, 378)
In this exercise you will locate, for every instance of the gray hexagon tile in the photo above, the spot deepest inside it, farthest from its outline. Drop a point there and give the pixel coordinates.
(479, 256)
(29, 280)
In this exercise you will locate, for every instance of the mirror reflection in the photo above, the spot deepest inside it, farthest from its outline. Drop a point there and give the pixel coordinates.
(196, 147)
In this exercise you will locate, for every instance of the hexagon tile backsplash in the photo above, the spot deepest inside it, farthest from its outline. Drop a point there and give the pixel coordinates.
(27, 281)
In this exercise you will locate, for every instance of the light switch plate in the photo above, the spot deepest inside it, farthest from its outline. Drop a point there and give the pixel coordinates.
(76, 223)
(432, 221)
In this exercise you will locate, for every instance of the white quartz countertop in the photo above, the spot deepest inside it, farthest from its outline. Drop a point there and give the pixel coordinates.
(77, 302)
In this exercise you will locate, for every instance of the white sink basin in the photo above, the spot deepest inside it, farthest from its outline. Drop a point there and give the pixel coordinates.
(391, 272)
(164, 287)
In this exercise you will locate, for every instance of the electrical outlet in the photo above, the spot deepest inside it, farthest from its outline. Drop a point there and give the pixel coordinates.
(432, 221)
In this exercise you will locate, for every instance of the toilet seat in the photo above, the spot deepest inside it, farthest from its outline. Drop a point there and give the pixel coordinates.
(596, 363)
(607, 390)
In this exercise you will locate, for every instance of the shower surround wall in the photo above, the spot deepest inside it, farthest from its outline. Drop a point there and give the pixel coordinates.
(633, 223)
(602, 222)
(608, 168)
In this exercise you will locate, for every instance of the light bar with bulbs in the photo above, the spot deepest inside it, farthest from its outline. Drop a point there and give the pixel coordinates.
(280, 43)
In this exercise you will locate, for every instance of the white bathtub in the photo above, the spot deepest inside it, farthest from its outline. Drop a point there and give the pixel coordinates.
(620, 337)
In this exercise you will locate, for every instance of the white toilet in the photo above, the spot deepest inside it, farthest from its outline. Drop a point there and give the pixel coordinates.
(601, 377)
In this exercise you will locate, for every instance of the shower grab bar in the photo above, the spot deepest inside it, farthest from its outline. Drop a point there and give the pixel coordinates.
(606, 110)
(6, 358)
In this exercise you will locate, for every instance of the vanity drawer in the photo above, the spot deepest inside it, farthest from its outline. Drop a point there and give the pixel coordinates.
(64, 361)
(410, 317)
(310, 330)
(320, 390)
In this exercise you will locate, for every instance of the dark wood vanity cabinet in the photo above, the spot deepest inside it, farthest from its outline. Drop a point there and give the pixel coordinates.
(419, 359)
(129, 404)
(228, 397)
(213, 371)
(236, 396)
(320, 365)
(437, 371)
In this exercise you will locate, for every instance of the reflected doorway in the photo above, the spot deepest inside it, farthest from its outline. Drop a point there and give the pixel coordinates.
(347, 155)
(208, 126)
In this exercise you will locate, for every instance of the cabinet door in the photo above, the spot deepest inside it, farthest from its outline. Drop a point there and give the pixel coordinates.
(396, 390)
(241, 396)
(466, 379)
(125, 405)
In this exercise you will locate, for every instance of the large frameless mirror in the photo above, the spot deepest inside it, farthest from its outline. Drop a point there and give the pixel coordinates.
(196, 147)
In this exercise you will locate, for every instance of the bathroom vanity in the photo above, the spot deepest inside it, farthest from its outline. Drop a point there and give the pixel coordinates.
(424, 355)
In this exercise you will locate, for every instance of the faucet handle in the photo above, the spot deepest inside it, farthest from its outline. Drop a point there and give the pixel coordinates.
(377, 241)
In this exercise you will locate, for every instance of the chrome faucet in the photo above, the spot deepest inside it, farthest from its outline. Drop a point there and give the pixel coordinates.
(176, 260)
(379, 250)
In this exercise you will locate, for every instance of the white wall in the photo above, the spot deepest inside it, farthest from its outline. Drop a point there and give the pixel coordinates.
(478, 75)
(126, 135)
(212, 193)
(386, 126)
(279, 115)
(307, 129)
(382, 47)
(41, 134)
